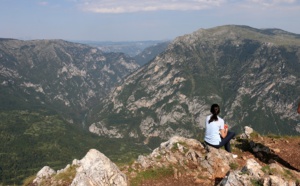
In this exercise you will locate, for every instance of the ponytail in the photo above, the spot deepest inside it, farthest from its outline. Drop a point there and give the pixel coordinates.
(215, 110)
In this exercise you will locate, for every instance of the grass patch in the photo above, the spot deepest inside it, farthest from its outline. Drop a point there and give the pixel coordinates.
(233, 166)
(68, 175)
(255, 182)
(158, 157)
(254, 135)
(174, 147)
(151, 174)
(287, 174)
(29, 180)
(275, 136)
(266, 169)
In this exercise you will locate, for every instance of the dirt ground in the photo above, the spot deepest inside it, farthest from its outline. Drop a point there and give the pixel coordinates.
(284, 150)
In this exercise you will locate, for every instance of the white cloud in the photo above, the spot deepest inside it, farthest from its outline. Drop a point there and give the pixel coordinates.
(273, 2)
(124, 6)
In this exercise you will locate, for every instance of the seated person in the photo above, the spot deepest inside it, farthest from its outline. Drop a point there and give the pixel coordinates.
(216, 135)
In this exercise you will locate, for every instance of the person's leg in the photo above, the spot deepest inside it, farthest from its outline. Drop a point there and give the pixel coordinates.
(226, 141)
(215, 146)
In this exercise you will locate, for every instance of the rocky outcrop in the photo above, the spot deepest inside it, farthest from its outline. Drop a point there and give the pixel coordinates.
(45, 173)
(247, 133)
(255, 174)
(187, 157)
(205, 165)
(95, 169)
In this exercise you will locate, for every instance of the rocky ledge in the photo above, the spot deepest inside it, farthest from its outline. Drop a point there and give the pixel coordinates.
(188, 161)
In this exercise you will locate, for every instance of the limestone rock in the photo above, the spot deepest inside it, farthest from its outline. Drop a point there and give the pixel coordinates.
(96, 169)
(247, 133)
(44, 173)
(188, 155)
(252, 174)
(253, 168)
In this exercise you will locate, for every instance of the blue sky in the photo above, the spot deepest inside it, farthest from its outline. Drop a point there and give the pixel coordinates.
(136, 20)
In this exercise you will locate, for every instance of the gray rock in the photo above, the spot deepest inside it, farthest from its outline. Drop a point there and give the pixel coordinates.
(252, 174)
(95, 169)
(253, 168)
(247, 133)
(44, 173)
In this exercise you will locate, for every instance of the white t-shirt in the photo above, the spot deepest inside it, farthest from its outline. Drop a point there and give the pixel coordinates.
(212, 130)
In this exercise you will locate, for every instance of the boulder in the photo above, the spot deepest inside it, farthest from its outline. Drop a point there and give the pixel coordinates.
(44, 173)
(96, 169)
(247, 133)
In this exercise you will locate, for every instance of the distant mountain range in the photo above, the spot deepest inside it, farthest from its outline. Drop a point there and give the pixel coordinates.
(51, 89)
(131, 48)
(252, 73)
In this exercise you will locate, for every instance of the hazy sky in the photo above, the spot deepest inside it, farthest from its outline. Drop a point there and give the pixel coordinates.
(134, 20)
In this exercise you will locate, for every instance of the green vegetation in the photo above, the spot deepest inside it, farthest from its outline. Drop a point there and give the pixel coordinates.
(255, 182)
(151, 174)
(67, 176)
(28, 181)
(140, 93)
(266, 169)
(31, 140)
(285, 173)
(233, 166)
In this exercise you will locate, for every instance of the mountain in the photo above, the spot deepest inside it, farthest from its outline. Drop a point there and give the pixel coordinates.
(131, 48)
(46, 90)
(150, 53)
(252, 73)
(51, 89)
(58, 75)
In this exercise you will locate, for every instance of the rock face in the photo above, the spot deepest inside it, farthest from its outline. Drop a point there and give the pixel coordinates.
(190, 160)
(187, 157)
(252, 174)
(45, 173)
(95, 169)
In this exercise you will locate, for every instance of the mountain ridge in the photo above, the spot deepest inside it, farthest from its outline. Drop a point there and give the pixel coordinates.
(230, 65)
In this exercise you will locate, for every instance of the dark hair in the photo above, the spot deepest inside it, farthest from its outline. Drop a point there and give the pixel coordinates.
(215, 110)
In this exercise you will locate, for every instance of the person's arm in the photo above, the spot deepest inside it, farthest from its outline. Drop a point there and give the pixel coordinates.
(223, 132)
